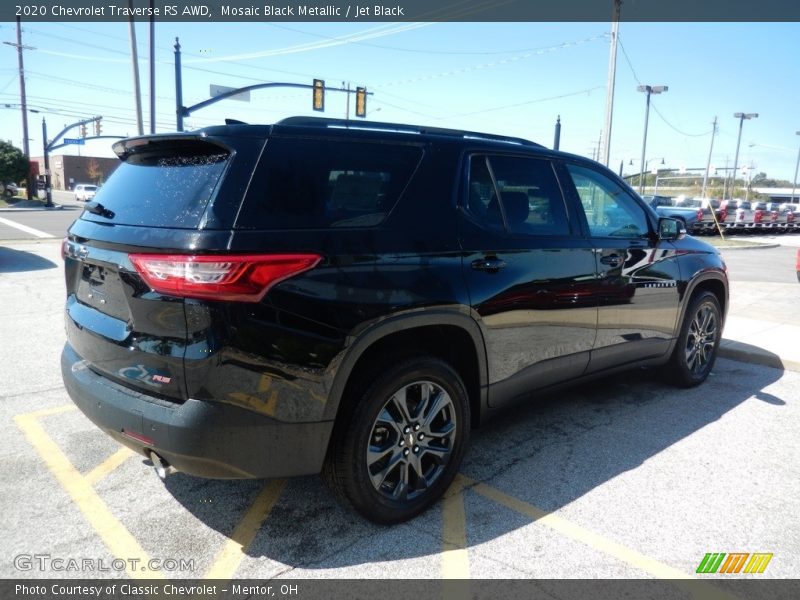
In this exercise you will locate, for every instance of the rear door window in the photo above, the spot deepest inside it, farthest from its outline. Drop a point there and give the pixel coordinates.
(167, 186)
(313, 184)
(518, 194)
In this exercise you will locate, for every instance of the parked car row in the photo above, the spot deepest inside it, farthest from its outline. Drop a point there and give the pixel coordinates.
(736, 215)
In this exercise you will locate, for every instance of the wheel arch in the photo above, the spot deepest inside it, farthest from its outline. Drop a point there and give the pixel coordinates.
(452, 336)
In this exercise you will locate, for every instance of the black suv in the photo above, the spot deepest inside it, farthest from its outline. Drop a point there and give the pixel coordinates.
(267, 301)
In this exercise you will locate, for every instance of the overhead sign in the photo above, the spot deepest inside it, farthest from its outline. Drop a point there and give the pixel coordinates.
(79, 141)
(218, 90)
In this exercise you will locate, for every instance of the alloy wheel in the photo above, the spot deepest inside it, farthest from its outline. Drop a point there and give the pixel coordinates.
(701, 339)
(411, 441)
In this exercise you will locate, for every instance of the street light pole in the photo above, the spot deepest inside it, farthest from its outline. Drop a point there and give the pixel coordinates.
(648, 89)
(741, 117)
(794, 185)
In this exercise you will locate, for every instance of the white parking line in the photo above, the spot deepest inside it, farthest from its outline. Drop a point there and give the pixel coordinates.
(26, 229)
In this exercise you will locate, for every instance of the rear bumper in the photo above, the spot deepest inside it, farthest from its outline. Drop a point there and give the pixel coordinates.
(206, 439)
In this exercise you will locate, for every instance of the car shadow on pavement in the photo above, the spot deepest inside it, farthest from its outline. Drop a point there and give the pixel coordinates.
(19, 261)
(547, 453)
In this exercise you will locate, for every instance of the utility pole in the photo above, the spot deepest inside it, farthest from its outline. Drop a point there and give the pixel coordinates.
(347, 107)
(45, 151)
(23, 104)
(708, 163)
(741, 117)
(796, 167)
(178, 87)
(725, 180)
(557, 138)
(137, 88)
(152, 68)
(612, 73)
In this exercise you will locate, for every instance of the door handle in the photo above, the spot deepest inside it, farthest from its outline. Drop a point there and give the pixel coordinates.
(613, 260)
(488, 264)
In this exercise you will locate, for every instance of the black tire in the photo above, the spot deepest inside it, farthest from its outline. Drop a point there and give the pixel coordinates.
(8, 193)
(698, 342)
(391, 466)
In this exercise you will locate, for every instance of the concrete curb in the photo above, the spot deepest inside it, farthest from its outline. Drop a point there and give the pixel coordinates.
(755, 246)
(747, 353)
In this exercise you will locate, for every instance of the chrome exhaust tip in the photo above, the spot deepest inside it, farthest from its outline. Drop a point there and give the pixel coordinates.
(161, 466)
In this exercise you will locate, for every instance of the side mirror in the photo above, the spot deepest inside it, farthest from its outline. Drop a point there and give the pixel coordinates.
(670, 229)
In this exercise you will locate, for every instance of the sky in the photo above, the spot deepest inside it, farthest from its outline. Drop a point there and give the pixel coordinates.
(505, 78)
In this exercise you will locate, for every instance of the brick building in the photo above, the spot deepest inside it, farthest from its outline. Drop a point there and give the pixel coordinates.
(66, 170)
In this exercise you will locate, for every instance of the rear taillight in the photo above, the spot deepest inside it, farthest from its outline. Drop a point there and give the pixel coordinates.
(790, 217)
(240, 277)
(774, 216)
(757, 216)
(700, 214)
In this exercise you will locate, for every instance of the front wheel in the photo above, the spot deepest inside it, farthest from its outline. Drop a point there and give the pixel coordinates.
(401, 444)
(696, 349)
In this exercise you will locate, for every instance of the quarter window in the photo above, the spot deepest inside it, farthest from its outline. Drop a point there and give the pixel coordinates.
(327, 184)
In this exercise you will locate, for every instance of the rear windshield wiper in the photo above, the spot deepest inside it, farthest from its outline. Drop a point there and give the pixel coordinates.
(98, 209)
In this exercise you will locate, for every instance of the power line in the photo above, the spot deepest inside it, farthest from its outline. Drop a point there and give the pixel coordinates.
(587, 91)
(415, 50)
(492, 64)
(658, 112)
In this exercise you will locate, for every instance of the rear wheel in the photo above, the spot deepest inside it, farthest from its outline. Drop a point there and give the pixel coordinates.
(696, 349)
(401, 444)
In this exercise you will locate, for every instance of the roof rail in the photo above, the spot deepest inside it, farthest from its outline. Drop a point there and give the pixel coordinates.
(401, 128)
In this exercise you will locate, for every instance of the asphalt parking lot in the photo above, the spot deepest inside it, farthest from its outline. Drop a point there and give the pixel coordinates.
(625, 478)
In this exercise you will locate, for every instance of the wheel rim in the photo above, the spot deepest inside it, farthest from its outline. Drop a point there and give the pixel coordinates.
(411, 441)
(701, 339)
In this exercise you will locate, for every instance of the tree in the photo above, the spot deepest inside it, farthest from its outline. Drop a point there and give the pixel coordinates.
(93, 171)
(13, 164)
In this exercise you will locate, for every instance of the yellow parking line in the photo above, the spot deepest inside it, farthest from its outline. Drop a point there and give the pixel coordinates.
(118, 539)
(230, 556)
(700, 589)
(455, 559)
(46, 412)
(112, 462)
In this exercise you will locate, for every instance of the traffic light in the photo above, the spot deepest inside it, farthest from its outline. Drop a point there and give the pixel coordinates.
(98, 126)
(83, 130)
(319, 95)
(361, 102)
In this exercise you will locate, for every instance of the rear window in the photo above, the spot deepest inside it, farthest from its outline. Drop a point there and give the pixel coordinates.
(167, 187)
(313, 184)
